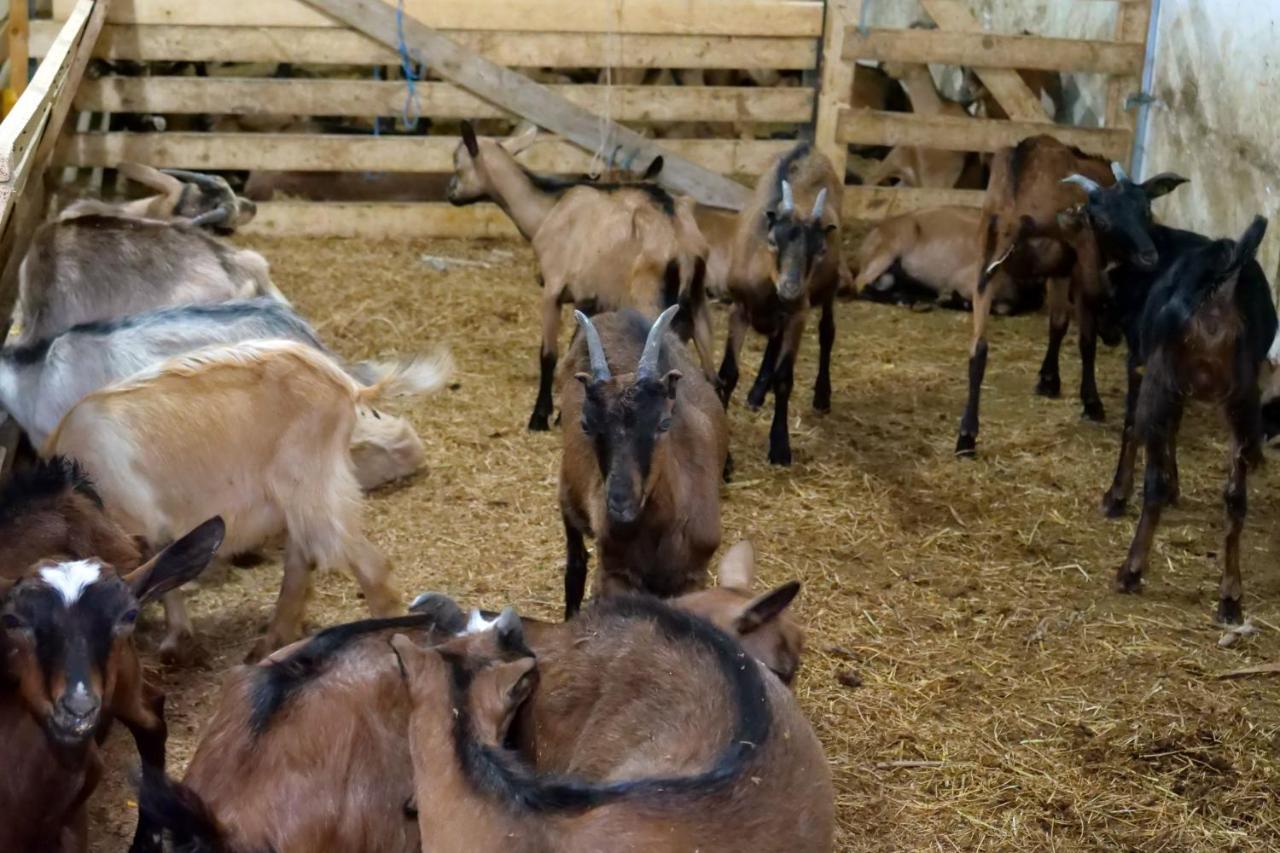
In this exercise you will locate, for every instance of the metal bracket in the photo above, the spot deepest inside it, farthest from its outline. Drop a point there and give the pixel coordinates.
(1139, 99)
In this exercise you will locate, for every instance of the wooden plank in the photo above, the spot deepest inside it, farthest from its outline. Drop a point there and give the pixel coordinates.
(439, 100)
(1131, 27)
(532, 101)
(25, 121)
(951, 133)
(883, 202)
(990, 50)
(835, 80)
(338, 153)
(1005, 86)
(18, 38)
(683, 17)
(381, 220)
(323, 45)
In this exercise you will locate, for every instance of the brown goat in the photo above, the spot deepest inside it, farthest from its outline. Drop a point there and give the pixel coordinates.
(645, 448)
(934, 248)
(317, 733)
(1022, 209)
(786, 259)
(601, 247)
(68, 669)
(739, 766)
(912, 166)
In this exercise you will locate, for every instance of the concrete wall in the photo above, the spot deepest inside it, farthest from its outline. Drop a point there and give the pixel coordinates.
(1216, 121)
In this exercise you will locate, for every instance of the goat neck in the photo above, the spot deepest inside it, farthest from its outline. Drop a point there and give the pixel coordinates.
(514, 191)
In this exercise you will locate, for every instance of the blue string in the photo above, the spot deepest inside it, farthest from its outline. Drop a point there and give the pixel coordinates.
(411, 107)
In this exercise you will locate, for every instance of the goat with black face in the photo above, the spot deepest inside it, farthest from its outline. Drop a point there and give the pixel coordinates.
(644, 450)
(70, 669)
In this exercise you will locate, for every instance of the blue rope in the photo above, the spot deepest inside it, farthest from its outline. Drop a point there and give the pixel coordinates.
(407, 63)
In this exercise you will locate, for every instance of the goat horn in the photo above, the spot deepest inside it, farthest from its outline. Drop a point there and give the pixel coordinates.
(1118, 171)
(217, 216)
(788, 203)
(820, 205)
(199, 178)
(1089, 185)
(648, 366)
(599, 366)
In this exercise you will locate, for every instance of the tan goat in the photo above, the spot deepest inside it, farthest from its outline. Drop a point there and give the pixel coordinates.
(258, 433)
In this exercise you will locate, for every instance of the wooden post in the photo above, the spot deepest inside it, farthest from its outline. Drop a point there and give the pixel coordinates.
(1132, 20)
(18, 52)
(528, 99)
(836, 80)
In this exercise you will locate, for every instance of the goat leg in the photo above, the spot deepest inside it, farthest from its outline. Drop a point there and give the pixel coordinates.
(1117, 497)
(1050, 381)
(1087, 314)
(372, 571)
(967, 441)
(1154, 497)
(826, 340)
(286, 622)
(732, 350)
(1171, 460)
(575, 569)
(179, 645)
(540, 420)
(768, 364)
(146, 724)
(1244, 444)
(783, 381)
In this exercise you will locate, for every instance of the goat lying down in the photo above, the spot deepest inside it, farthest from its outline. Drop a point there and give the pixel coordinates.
(307, 752)
(41, 381)
(204, 200)
(258, 433)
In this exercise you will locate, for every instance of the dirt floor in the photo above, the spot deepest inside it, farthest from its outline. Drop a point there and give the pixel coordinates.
(976, 682)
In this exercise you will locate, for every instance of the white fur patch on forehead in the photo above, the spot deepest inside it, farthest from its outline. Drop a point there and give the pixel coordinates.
(71, 579)
(477, 624)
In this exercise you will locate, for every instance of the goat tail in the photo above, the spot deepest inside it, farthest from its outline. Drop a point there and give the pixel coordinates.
(178, 810)
(410, 377)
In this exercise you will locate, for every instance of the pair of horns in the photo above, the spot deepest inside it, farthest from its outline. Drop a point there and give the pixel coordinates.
(788, 203)
(647, 368)
(1091, 186)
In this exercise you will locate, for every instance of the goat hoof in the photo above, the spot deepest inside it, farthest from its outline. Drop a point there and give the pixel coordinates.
(1113, 506)
(756, 399)
(1175, 498)
(1128, 581)
(539, 422)
(967, 446)
(780, 456)
(822, 405)
(1093, 411)
(1230, 612)
(182, 650)
(1049, 386)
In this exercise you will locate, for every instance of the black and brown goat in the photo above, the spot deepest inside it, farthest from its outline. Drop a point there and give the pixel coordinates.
(1020, 217)
(1205, 332)
(644, 453)
(69, 669)
(786, 259)
(600, 246)
(732, 764)
(317, 733)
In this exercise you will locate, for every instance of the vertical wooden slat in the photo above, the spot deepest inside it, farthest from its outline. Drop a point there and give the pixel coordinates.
(836, 80)
(1131, 27)
(18, 50)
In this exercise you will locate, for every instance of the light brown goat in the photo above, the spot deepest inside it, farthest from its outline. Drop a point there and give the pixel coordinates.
(601, 247)
(739, 766)
(307, 751)
(913, 166)
(645, 446)
(68, 669)
(1021, 214)
(258, 433)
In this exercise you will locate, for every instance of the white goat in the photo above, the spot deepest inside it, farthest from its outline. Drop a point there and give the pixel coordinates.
(42, 380)
(258, 433)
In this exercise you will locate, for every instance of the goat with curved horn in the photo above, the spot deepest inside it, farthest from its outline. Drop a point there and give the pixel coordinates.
(217, 216)
(198, 178)
(819, 205)
(648, 366)
(788, 202)
(1119, 172)
(599, 366)
(1087, 184)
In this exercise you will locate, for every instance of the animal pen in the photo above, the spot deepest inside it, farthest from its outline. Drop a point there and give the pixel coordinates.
(972, 681)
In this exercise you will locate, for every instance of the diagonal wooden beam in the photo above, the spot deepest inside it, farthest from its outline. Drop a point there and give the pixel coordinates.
(537, 103)
(1004, 85)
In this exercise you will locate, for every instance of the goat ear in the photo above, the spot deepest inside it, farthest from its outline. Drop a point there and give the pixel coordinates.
(655, 169)
(766, 608)
(1162, 184)
(446, 613)
(1247, 246)
(738, 566)
(408, 655)
(514, 681)
(672, 377)
(180, 562)
(469, 139)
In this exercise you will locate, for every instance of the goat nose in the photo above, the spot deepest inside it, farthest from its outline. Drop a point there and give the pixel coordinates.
(79, 703)
(622, 512)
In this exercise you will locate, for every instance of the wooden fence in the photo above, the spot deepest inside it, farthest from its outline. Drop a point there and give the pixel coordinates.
(737, 129)
(960, 40)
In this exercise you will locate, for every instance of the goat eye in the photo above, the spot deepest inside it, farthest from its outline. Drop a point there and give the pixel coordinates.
(664, 424)
(9, 621)
(130, 617)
